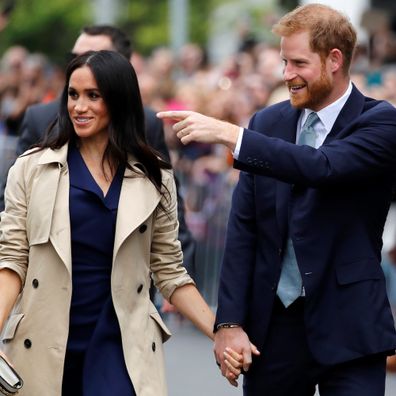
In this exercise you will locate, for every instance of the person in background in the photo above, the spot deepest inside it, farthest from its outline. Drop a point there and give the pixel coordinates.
(89, 215)
(301, 275)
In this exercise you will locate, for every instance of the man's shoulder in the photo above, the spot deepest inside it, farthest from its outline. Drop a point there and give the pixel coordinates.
(47, 110)
(380, 109)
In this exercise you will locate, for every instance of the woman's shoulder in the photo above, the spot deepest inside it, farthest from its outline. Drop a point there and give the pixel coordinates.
(33, 158)
(29, 159)
(167, 174)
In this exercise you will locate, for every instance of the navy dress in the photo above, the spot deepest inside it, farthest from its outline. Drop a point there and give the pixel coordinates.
(94, 363)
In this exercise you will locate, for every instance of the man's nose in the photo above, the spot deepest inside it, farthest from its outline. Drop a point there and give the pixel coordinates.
(289, 73)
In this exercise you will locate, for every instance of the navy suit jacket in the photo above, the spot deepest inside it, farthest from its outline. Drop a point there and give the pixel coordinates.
(333, 202)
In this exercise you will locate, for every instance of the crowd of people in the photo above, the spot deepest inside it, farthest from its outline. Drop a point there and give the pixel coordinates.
(232, 91)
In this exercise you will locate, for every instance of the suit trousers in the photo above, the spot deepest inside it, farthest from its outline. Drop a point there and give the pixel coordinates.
(286, 366)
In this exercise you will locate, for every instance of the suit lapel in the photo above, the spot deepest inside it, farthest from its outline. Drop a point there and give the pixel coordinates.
(352, 108)
(286, 130)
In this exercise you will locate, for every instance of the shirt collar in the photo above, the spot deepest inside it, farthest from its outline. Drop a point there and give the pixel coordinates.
(329, 114)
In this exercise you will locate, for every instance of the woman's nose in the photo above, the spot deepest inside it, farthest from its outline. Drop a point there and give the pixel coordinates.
(80, 105)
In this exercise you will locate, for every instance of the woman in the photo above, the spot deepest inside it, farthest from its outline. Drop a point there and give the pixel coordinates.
(90, 216)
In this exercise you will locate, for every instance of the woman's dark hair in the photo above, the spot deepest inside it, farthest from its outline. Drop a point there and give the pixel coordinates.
(117, 83)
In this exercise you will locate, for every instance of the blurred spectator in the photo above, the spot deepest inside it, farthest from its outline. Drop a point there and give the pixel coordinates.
(6, 8)
(191, 60)
(25, 80)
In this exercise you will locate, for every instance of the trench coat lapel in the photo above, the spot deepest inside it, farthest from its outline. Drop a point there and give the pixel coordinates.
(138, 200)
(52, 189)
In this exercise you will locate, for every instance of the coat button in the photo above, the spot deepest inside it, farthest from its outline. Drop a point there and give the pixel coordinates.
(35, 283)
(140, 288)
(153, 346)
(27, 343)
(142, 228)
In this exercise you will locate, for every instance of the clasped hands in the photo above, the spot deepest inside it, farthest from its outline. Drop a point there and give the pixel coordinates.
(233, 352)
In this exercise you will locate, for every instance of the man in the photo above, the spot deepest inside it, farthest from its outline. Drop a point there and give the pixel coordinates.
(301, 275)
(39, 117)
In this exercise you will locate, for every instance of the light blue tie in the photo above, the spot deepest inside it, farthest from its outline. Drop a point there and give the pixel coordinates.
(290, 285)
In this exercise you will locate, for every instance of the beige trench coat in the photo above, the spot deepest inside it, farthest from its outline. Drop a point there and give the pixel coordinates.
(35, 242)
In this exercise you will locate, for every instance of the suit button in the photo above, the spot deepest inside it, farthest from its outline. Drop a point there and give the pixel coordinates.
(153, 346)
(35, 283)
(27, 343)
(280, 252)
(142, 228)
(140, 288)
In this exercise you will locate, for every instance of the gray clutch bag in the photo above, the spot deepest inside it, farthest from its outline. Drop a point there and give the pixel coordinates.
(10, 381)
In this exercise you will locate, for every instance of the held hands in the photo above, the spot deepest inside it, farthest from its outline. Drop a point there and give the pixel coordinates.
(192, 126)
(233, 352)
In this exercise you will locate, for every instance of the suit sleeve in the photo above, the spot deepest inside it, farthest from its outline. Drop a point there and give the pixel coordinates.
(363, 151)
(155, 133)
(26, 139)
(239, 255)
(28, 134)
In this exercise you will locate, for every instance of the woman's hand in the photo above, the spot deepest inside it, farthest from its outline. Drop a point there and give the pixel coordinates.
(234, 363)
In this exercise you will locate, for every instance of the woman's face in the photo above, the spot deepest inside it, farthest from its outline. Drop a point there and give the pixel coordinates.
(87, 109)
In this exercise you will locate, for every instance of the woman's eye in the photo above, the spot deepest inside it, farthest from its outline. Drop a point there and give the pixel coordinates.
(73, 94)
(94, 95)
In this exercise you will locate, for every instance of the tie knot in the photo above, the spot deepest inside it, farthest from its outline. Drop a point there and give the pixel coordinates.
(311, 120)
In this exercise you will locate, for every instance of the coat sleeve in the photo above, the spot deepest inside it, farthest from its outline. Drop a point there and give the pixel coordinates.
(166, 260)
(14, 247)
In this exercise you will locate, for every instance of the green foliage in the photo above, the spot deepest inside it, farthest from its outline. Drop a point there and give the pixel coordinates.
(147, 22)
(47, 26)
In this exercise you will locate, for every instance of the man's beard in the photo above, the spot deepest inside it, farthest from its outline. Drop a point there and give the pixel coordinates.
(316, 93)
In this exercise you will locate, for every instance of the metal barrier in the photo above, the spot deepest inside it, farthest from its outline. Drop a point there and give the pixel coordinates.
(208, 207)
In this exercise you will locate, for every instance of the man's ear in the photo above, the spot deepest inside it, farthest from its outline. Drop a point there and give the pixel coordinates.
(336, 60)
